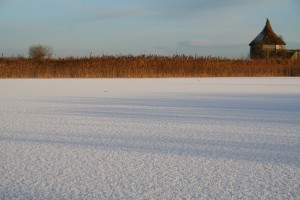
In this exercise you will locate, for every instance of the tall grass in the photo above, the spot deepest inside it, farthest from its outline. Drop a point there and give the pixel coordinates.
(145, 66)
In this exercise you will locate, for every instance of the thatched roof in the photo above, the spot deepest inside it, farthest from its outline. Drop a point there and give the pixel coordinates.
(267, 36)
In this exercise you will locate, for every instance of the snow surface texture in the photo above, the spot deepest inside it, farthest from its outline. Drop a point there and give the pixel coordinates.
(228, 138)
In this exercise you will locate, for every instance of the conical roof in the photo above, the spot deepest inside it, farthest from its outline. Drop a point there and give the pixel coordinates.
(267, 36)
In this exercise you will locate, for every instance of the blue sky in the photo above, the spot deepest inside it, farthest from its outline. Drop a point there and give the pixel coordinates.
(165, 27)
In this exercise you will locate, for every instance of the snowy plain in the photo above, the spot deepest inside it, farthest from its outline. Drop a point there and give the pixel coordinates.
(200, 138)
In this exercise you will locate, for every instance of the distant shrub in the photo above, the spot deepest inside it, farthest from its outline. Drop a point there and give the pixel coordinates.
(39, 52)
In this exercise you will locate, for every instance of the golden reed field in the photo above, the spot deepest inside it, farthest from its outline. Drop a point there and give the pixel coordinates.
(145, 66)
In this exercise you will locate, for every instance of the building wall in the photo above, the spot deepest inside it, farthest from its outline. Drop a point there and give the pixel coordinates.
(265, 51)
(256, 52)
(296, 56)
(273, 47)
(268, 47)
(280, 47)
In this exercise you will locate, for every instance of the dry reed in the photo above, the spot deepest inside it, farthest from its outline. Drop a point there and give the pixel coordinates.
(145, 66)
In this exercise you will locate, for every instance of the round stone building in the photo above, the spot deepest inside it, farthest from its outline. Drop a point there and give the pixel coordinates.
(266, 44)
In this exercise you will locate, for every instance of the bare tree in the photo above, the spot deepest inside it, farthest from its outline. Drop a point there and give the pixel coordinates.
(40, 51)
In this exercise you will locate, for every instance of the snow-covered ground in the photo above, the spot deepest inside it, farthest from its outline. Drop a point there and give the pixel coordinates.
(227, 138)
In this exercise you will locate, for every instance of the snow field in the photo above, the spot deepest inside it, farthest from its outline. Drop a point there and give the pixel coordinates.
(227, 138)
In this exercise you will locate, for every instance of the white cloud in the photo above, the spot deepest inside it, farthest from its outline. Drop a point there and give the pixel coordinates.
(203, 43)
(199, 43)
(212, 48)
